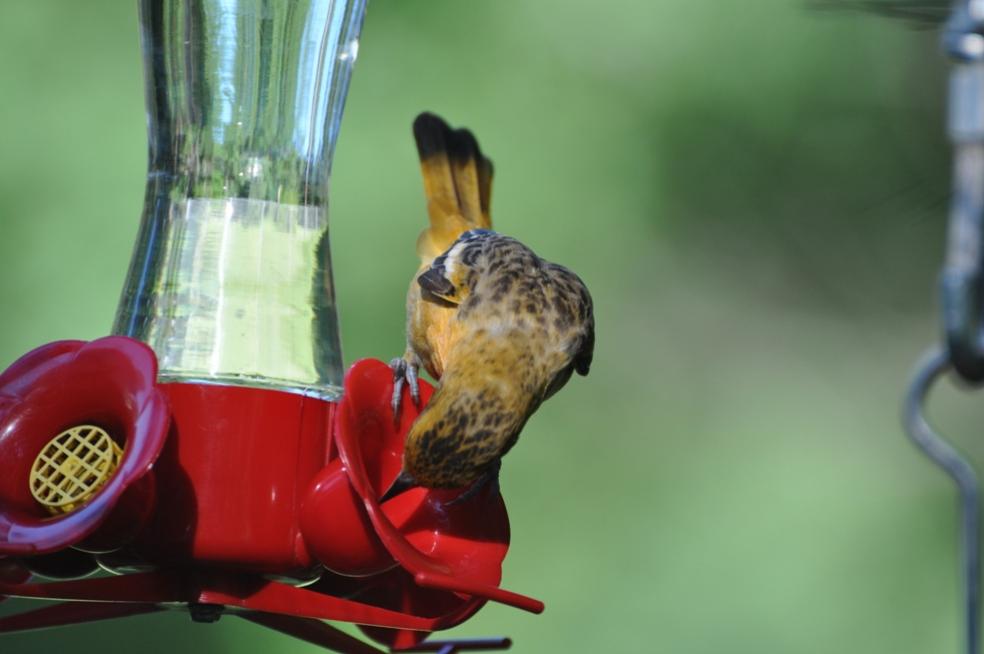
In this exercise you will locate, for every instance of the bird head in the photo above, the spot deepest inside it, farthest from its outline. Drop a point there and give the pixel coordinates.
(451, 276)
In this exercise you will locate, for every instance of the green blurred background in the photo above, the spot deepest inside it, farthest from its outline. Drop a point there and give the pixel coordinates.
(755, 193)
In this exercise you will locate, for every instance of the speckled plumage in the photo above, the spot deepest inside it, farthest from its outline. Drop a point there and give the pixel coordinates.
(499, 327)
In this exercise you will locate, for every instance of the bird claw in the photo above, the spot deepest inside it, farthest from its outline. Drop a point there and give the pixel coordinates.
(404, 373)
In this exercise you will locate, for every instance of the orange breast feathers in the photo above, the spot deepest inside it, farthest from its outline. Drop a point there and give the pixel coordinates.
(431, 331)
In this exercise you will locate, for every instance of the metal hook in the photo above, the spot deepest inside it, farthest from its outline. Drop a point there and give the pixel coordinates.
(932, 366)
(962, 277)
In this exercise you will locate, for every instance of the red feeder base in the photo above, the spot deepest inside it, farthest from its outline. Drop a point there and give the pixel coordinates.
(244, 494)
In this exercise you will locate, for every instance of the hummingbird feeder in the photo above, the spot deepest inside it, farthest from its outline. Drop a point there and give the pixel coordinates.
(209, 454)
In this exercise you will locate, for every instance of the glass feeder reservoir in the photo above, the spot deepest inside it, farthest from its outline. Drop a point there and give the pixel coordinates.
(231, 280)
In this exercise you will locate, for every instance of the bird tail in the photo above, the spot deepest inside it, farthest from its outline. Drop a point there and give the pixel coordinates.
(457, 182)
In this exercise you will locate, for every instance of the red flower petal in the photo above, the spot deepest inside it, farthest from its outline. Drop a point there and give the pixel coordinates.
(110, 382)
(457, 548)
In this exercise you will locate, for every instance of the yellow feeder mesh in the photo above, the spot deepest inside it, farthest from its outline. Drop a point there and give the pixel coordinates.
(72, 467)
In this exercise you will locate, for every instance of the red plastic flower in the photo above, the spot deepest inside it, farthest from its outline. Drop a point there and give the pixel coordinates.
(110, 383)
(449, 555)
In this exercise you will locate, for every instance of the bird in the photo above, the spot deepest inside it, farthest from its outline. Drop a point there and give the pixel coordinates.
(498, 327)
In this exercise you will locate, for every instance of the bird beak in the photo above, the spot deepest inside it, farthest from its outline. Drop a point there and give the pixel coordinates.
(401, 484)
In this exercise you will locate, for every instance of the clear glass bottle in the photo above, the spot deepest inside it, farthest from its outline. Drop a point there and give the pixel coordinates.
(231, 279)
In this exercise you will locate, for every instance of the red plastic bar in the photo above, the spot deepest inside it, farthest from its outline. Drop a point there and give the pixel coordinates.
(501, 595)
(148, 587)
(244, 592)
(276, 597)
